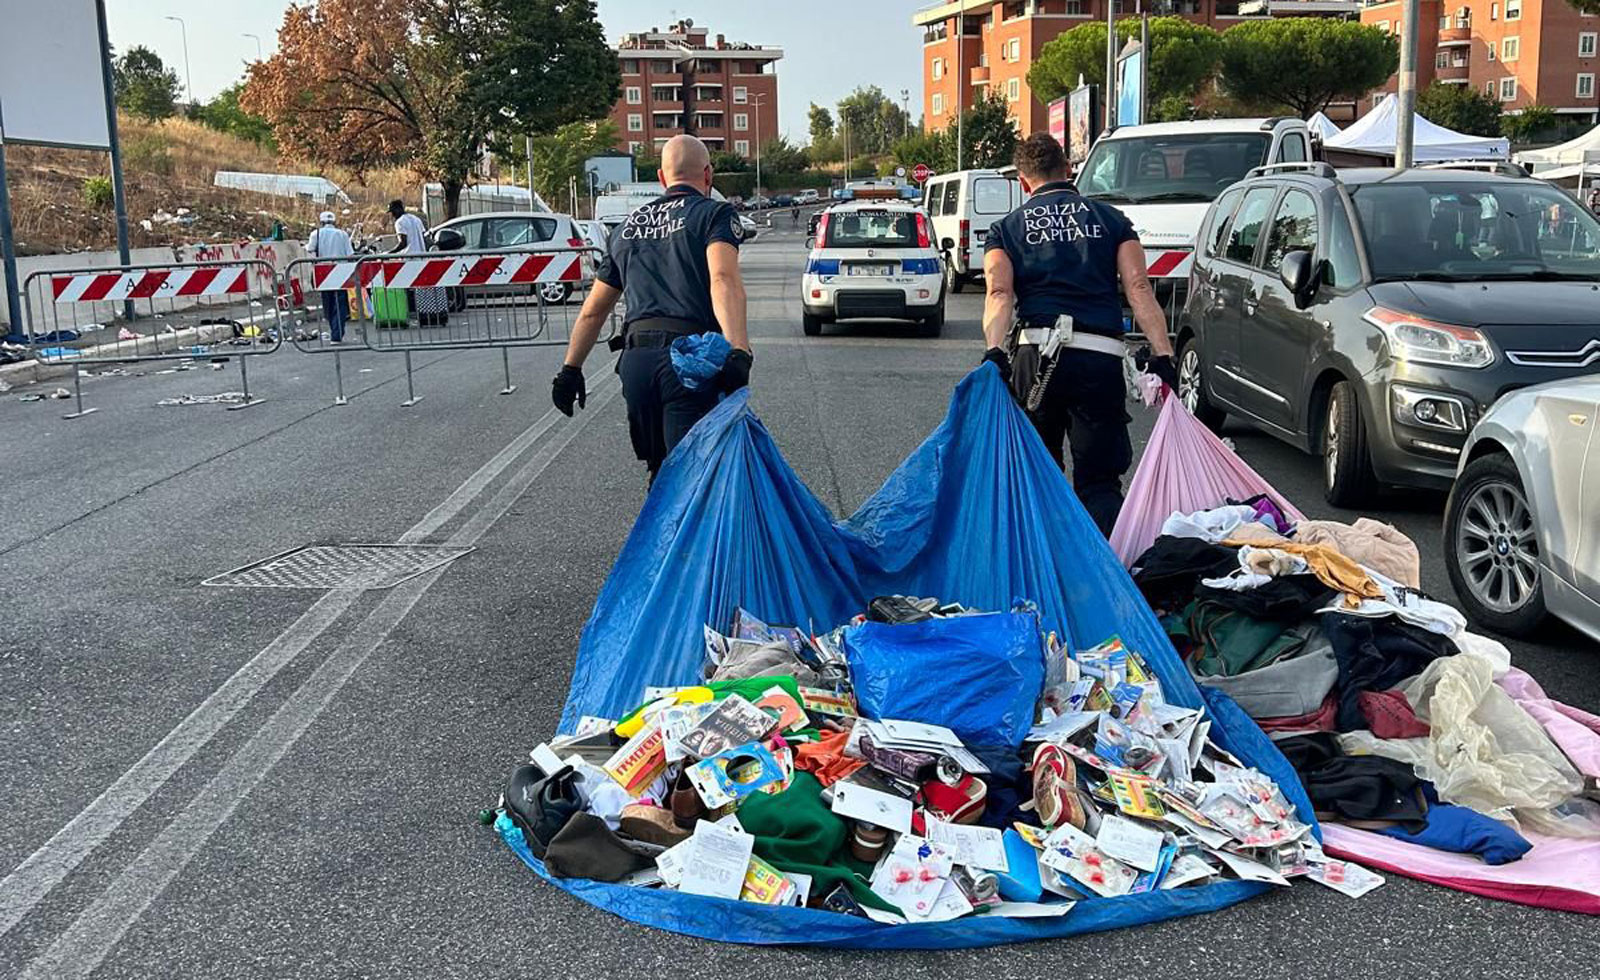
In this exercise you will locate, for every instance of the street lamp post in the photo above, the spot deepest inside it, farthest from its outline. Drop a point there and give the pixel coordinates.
(905, 120)
(257, 39)
(755, 101)
(188, 81)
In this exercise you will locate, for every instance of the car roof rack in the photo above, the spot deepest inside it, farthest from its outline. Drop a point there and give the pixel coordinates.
(1317, 167)
(1502, 167)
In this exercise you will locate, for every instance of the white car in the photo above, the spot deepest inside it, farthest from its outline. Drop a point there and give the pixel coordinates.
(807, 196)
(516, 231)
(873, 260)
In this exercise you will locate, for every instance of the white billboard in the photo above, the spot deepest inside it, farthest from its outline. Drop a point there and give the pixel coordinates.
(51, 90)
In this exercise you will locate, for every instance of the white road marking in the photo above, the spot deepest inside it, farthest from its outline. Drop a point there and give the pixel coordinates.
(28, 884)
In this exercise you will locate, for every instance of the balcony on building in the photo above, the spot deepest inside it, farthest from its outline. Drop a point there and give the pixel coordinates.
(1453, 72)
(980, 75)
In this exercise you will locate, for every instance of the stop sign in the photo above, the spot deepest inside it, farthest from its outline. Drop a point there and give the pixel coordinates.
(921, 173)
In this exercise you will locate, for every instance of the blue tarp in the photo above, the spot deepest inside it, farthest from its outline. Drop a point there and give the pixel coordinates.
(979, 514)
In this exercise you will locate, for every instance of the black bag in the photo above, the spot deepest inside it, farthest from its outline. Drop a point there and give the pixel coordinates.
(541, 805)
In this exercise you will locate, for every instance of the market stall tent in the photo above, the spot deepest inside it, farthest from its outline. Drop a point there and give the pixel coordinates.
(1323, 126)
(1373, 135)
(1569, 154)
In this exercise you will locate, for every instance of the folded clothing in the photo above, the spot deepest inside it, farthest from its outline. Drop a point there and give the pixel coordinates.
(1293, 685)
(1357, 788)
(1376, 655)
(1380, 547)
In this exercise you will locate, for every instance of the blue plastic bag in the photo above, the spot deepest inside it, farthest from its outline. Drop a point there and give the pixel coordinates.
(979, 514)
(698, 359)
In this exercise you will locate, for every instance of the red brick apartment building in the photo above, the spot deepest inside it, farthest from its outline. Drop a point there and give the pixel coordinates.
(682, 80)
(1520, 52)
(999, 41)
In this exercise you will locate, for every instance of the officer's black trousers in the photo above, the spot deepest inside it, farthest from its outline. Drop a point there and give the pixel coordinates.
(1086, 402)
(661, 411)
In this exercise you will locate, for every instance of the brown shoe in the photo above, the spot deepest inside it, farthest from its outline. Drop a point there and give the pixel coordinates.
(687, 807)
(651, 824)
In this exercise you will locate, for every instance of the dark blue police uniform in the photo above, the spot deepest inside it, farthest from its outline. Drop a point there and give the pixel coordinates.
(1063, 248)
(657, 258)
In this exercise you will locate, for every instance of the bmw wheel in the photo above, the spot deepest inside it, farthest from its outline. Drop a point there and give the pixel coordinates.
(1492, 547)
(1191, 387)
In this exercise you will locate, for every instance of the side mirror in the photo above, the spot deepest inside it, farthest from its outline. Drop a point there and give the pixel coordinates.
(948, 244)
(1298, 274)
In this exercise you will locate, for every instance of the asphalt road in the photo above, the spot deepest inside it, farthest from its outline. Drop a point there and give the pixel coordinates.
(206, 782)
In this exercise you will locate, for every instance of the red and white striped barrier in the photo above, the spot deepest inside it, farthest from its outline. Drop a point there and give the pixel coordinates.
(519, 268)
(1162, 263)
(90, 287)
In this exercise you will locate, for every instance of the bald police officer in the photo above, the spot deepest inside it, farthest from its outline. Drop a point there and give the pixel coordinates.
(1053, 321)
(676, 260)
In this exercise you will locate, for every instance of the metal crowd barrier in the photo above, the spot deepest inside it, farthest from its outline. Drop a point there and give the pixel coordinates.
(307, 291)
(180, 310)
(472, 299)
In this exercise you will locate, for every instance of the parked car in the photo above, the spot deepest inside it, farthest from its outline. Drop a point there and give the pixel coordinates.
(963, 205)
(782, 200)
(873, 260)
(757, 202)
(1373, 316)
(595, 234)
(1522, 528)
(516, 231)
(807, 196)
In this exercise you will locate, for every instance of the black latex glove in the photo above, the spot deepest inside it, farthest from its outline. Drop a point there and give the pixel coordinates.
(736, 370)
(1000, 359)
(567, 388)
(1163, 368)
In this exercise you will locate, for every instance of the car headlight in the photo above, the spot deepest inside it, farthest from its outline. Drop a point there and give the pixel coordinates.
(1423, 341)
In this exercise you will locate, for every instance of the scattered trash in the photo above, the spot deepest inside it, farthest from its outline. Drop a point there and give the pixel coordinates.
(365, 371)
(126, 334)
(221, 398)
(5, 386)
(218, 365)
(30, 398)
(59, 393)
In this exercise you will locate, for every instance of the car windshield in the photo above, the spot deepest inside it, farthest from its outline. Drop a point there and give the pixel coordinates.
(871, 229)
(1189, 167)
(1471, 231)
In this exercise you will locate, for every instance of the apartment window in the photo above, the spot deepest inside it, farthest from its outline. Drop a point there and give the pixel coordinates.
(635, 122)
(1494, 11)
(1464, 20)
(938, 103)
(1513, 9)
(1586, 86)
(938, 68)
(634, 95)
(741, 147)
(1444, 22)
(1383, 26)
(634, 145)
(1488, 88)
(630, 66)
(741, 121)
(1013, 90)
(1458, 59)
(1586, 44)
(1075, 8)
(741, 95)
(1510, 48)
(1508, 90)
(1441, 60)
(1014, 50)
(1489, 51)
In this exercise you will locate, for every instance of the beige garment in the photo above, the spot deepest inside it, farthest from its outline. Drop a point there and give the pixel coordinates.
(1256, 533)
(1379, 546)
(1333, 568)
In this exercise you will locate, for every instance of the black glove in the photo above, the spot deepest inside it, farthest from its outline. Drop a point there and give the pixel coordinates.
(1163, 368)
(567, 388)
(1000, 359)
(736, 370)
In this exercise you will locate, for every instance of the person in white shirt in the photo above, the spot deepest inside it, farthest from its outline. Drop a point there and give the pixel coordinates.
(330, 242)
(410, 229)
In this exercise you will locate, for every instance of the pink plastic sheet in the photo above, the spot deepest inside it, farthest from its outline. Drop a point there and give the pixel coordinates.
(1575, 731)
(1559, 873)
(1185, 468)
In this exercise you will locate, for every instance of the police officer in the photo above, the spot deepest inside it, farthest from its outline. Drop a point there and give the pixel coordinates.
(676, 260)
(1053, 321)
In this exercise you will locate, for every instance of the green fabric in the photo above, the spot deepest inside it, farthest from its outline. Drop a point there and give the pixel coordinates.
(795, 831)
(1227, 642)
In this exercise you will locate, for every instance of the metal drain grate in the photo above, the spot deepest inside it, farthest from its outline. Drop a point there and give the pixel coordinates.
(340, 566)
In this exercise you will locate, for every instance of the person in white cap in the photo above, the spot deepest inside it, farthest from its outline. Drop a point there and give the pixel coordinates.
(329, 242)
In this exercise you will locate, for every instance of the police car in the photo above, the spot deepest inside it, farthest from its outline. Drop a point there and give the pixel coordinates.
(874, 260)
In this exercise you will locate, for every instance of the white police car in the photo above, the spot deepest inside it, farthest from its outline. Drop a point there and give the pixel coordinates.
(874, 260)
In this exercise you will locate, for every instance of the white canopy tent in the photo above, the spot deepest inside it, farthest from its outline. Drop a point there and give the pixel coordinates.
(1374, 134)
(318, 189)
(1323, 126)
(1568, 154)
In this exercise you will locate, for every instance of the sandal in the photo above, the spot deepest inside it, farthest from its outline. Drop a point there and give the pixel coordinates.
(1055, 787)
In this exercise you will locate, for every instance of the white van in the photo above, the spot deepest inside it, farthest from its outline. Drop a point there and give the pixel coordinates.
(963, 205)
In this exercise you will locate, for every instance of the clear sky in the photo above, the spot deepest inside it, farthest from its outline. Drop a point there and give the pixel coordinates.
(830, 46)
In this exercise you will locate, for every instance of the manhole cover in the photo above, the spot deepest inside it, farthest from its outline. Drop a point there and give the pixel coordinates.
(340, 566)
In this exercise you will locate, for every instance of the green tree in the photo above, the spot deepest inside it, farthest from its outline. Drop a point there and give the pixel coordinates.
(825, 149)
(559, 157)
(1461, 108)
(778, 156)
(987, 133)
(1530, 124)
(144, 85)
(1304, 63)
(872, 119)
(729, 163)
(223, 113)
(937, 150)
(1183, 57)
(820, 122)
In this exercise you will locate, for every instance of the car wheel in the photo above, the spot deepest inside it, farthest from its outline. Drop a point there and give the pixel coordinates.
(812, 325)
(457, 299)
(1191, 387)
(1492, 548)
(953, 281)
(933, 326)
(1347, 479)
(555, 293)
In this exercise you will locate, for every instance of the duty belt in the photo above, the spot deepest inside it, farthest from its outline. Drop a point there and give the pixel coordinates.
(1050, 341)
(659, 331)
(1040, 336)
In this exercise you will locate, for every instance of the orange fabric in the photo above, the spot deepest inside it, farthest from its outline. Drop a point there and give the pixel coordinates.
(1335, 569)
(826, 759)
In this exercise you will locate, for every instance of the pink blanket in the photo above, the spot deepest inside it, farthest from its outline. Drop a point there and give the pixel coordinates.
(1185, 468)
(1559, 873)
(1575, 731)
